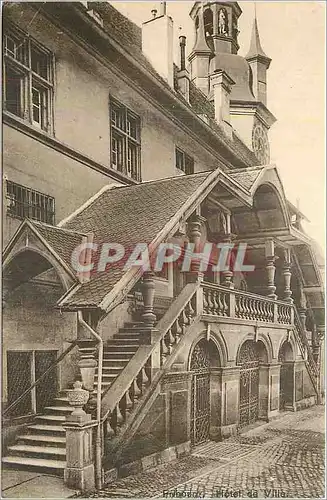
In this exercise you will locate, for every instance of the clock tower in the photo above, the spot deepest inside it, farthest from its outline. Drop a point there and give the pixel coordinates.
(216, 52)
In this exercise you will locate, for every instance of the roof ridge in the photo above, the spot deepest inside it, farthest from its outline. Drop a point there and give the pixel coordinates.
(40, 223)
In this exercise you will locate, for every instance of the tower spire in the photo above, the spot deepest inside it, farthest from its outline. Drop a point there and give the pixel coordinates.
(255, 44)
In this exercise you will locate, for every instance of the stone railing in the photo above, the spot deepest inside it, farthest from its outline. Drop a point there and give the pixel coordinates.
(144, 368)
(306, 350)
(231, 303)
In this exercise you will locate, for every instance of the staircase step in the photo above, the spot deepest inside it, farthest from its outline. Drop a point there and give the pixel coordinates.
(123, 355)
(124, 343)
(58, 429)
(30, 450)
(52, 418)
(62, 400)
(56, 466)
(39, 438)
(63, 409)
(111, 370)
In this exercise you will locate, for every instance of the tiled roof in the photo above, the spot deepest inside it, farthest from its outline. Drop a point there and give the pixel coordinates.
(61, 240)
(247, 177)
(128, 215)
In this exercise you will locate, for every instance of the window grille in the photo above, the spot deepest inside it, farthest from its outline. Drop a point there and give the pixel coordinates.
(25, 202)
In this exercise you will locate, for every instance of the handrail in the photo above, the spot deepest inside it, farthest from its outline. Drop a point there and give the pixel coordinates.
(119, 387)
(98, 458)
(41, 377)
(303, 338)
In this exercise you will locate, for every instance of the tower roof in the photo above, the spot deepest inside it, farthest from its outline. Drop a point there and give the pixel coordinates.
(255, 44)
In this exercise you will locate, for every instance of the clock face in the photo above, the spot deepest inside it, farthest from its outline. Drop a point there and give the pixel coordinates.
(260, 144)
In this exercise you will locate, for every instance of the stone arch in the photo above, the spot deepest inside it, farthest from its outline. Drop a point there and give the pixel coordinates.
(29, 262)
(217, 341)
(33, 326)
(288, 339)
(264, 346)
(286, 351)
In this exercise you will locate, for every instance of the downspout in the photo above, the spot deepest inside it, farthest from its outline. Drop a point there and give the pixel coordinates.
(98, 450)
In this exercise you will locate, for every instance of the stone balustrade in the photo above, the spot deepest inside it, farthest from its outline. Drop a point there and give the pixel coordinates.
(231, 303)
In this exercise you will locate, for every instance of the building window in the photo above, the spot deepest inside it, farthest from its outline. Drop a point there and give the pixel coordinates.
(28, 79)
(184, 162)
(125, 141)
(25, 202)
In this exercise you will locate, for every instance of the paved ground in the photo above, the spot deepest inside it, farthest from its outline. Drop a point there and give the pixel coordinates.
(283, 459)
(25, 484)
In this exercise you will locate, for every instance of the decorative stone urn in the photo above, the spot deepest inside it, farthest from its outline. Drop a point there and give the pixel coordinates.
(78, 398)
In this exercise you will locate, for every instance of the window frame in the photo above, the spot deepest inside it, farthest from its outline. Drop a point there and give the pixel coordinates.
(30, 78)
(120, 131)
(186, 159)
(32, 203)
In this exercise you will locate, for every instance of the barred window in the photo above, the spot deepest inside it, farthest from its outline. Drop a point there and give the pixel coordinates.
(27, 79)
(125, 140)
(184, 162)
(25, 202)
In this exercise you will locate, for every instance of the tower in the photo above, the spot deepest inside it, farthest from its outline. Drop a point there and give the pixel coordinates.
(259, 63)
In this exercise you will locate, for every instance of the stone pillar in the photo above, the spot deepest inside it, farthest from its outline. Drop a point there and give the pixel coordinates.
(287, 277)
(148, 289)
(230, 388)
(303, 309)
(194, 236)
(227, 276)
(79, 471)
(273, 385)
(215, 403)
(270, 268)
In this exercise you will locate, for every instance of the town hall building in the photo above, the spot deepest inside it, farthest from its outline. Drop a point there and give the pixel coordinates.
(110, 368)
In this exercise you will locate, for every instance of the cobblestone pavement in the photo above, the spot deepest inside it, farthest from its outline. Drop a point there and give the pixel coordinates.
(282, 459)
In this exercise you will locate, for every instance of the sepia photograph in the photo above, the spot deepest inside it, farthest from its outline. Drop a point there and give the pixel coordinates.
(163, 249)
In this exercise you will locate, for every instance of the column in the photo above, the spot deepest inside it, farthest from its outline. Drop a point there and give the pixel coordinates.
(287, 276)
(270, 268)
(303, 309)
(227, 238)
(215, 403)
(194, 236)
(148, 289)
(230, 387)
(79, 471)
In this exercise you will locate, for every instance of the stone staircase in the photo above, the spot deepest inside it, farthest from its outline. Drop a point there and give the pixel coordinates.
(42, 447)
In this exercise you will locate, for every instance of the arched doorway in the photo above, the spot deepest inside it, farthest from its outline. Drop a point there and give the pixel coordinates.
(250, 355)
(204, 358)
(34, 332)
(286, 382)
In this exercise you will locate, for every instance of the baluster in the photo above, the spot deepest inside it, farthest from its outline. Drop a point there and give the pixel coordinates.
(178, 330)
(128, 401)
(189, 310)
(240, 306)
(170, 340)
(205, 301)
(164, 350)
(211, 305)
(119, 419)
(251, 308)
(109, 428)
(237, 306)
(225, 304)
(145, 379)
(246, 308)
(185, 319)
(136, 390)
